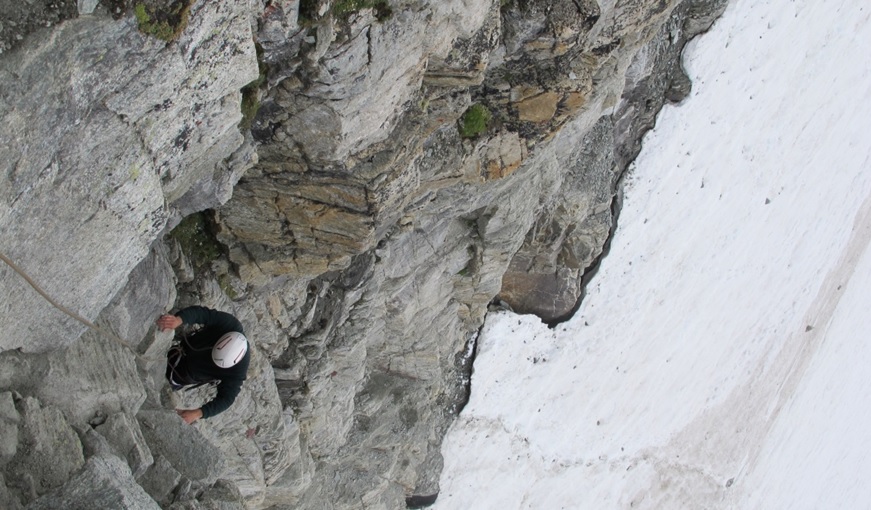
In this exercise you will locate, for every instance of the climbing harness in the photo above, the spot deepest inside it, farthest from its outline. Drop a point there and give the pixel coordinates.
(175, 373)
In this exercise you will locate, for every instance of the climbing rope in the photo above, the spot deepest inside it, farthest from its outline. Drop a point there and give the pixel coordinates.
(72, 314)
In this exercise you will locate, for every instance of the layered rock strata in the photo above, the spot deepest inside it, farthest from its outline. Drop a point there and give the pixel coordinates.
(375, 215)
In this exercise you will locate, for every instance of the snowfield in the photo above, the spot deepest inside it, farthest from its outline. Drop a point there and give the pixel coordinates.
(721, 356)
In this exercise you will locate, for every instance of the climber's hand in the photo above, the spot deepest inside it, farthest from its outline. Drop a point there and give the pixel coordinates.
(168, 322)
(190, 415)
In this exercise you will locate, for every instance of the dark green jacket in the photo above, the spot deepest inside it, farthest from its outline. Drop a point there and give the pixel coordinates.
(197, 361)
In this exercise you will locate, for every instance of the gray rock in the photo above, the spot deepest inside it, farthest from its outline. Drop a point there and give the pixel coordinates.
(7, 500)
(105, 482)
(93, 376)
(132, 312)
(160, 480)
(49, 451)
(20, 19)
(125, 437)
(22, 372)
(93, 443)
(544, 276)
(290, 483)
(222, 496)
(363, 245)
(9, 420)
(181, 444)
(102, 127)
(96, 375)
(360, 84)
(430, 227)
(187, 492)
(256, 439)
(87, 6)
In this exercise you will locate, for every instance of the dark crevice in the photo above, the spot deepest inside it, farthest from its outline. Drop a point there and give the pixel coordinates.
(420, 501)
(465, 364)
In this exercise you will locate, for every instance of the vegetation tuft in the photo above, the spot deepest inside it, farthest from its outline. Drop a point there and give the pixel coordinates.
(196, 240)
(250, 107)
(226, 285)
(344, 8)
(251, 93)
(164, 23)
(475, 121)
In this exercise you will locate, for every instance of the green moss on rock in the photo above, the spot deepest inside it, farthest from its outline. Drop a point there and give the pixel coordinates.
(226, 284)
(164, 23)
(195, 237)
(344, 8)
(475, 121)
(251, 92)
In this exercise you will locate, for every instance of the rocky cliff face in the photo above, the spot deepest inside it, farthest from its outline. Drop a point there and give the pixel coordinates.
(395, 167)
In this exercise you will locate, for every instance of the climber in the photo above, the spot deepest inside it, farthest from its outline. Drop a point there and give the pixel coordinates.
(216, 352)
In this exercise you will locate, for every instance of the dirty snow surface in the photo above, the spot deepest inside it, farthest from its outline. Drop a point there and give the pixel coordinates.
(722, 356)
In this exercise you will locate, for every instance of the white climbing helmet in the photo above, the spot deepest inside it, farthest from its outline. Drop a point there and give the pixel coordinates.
(230, 349)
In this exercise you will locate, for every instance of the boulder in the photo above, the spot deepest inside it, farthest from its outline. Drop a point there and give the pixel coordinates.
(105, 482)
(9, 420)
(93, 376)
(8, 501)
(160, 480)
(48, 453)
(123, 433)
(223, 495)
(181, 444)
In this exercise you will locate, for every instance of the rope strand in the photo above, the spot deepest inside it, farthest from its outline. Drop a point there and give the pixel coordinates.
(71, 313)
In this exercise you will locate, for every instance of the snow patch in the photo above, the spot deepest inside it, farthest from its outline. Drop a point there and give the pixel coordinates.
(718, 360)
